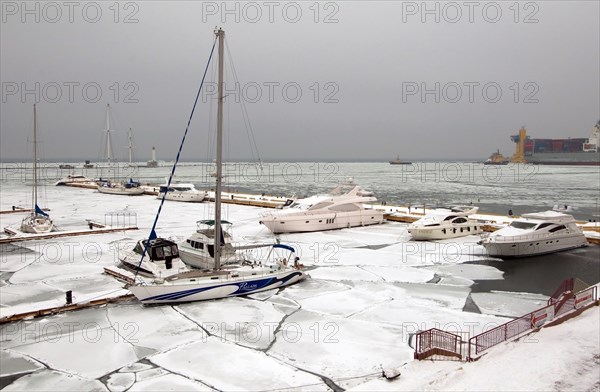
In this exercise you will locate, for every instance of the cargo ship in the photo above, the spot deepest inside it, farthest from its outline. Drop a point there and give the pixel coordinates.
(570, 151)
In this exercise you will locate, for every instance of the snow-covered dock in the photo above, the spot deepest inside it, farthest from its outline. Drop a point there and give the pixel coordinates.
(95, 228)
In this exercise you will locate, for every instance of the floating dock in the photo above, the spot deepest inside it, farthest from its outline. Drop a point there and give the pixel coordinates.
(17, 236)
(64, 308)
(490, 222)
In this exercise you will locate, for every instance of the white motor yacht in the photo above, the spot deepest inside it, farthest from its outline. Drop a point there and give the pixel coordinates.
(199, 250)
(324, 212)
(182, 192)
(161, 259)
(535, 234)
(443, 223)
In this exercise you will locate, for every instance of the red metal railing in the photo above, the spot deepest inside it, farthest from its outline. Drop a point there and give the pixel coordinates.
(557, 306)
(576, 301)
(437, 339)
(502, 333)
(566, 286)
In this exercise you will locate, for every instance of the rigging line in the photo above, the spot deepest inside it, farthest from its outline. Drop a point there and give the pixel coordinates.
(162, 201)
(245, 115)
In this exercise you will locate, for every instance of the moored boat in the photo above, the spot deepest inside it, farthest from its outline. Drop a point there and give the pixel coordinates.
(445, 223)
(268, 273)
(535, 234)
(324, 212)
(181, 192)
(37, 221)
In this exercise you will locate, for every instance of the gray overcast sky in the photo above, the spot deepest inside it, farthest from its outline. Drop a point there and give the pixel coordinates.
(361, 76)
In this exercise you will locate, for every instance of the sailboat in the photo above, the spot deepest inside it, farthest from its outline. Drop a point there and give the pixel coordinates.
(38, 221)
(272, 273)
(129, 188)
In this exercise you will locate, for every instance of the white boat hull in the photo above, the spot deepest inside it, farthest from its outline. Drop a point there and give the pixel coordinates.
(321, 222)
(189, 197)
(121, 191)
(533, 247)
(37, 225)
(202, 260)
(442, 233)
(189, 291)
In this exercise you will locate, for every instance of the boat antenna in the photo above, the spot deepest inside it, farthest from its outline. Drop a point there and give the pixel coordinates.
(162, 201)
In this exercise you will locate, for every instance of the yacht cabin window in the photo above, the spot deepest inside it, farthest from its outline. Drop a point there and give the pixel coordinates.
(345, 208)
(522, 225)
(557, 228)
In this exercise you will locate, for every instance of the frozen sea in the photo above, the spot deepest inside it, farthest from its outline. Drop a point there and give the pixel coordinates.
(370, 289)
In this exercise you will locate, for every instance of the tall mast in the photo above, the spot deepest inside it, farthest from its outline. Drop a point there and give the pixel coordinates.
(108, 152)
(34, 201)
(221, 36)
(130, 146)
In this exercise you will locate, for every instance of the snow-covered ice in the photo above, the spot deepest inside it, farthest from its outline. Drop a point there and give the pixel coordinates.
(370, 290)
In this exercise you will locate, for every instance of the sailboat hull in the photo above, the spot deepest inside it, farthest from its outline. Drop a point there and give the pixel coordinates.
(193, 290)
(37, 225)
(121, 191)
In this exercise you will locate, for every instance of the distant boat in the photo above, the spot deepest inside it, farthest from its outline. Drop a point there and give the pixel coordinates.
(38, 221)
(569, 151)
(66, 166)
(129, 188)
(181, 192)
(398, 161)
(496, 159)
(74, 179)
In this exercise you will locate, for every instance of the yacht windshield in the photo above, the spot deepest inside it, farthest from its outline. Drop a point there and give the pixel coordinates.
(522, 225)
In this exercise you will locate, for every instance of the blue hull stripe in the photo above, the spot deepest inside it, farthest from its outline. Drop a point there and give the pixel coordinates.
(244, 287)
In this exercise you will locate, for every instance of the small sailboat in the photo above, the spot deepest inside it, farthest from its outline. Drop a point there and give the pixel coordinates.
(275, 271)
(129, 188)
(38, 221)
